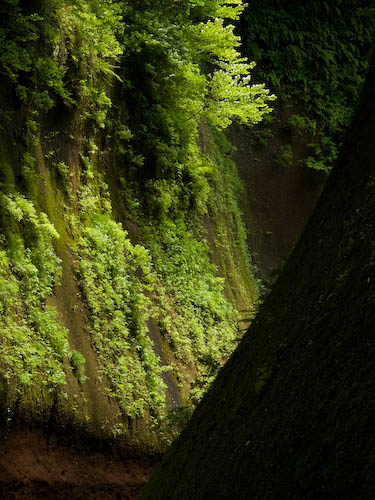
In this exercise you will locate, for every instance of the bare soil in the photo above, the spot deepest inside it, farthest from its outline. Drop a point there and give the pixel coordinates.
(33, 466)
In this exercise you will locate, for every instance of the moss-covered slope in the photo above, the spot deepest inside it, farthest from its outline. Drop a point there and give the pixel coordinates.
(120, 228)
(290, 415)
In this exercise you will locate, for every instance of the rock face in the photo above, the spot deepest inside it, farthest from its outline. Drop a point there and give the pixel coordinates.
(290, 415)
(278, 200)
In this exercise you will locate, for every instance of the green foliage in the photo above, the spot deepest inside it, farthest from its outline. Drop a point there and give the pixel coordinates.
(167, 53)
(284, 156)
(194, 316)
(315, 55)
(38, 79)
(77, 361)
(302, 124)
(229, 94)
(87, 49)
(170, 66)
(109, 266)
(33, 343)
(177, 69)
(17, 30)
(79, 56)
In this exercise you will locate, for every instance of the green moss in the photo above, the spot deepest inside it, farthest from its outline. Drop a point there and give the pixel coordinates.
(6, 175)
(284, 156)
(77, 362)
(226, 232)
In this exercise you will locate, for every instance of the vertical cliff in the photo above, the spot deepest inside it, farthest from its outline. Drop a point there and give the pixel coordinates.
(120, 228)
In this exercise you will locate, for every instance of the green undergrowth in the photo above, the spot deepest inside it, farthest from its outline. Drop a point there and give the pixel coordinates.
(168, 180)
(33, 342)
(115, 277)
(194, 316)
(315, 56)
(196, 272)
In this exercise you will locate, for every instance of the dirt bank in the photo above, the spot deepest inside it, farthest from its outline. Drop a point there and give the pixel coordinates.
(33, 466)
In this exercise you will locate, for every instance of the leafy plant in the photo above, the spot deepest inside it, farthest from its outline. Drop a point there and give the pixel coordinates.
(315, 55)
(284, 156)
